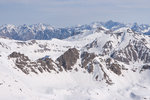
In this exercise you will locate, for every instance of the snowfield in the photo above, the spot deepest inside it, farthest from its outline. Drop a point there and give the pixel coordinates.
(133, 83)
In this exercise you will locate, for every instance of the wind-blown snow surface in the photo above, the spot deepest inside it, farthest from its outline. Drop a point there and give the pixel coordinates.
(71, 85)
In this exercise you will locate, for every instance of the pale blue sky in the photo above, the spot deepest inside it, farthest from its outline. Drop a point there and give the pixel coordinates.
(62, 13)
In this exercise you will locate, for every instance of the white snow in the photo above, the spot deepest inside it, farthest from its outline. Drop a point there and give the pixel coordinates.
(80, 85)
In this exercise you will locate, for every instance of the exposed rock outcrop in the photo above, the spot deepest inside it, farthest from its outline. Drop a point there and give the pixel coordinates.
(86, 61)
(134, 51)
(92, 45)
(47, 64)
(113, 66)
(23, 62)
(145, 67)
(107, 47)
(100, 74)
(26, 65)
(68, 59)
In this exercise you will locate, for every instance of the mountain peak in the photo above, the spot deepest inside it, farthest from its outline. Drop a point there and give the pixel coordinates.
(98, 63)
(42, 31)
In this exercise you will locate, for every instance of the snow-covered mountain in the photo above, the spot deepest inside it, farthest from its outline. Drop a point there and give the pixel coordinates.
(96, 64)
(39, 31)
(141, 28)
(47, 32)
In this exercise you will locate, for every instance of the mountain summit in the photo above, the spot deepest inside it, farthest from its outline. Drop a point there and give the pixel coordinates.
(89, 62)
(46, 32)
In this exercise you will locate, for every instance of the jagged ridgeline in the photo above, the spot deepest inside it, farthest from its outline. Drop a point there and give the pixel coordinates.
(47, 32)
(109, 52)
(101, 60)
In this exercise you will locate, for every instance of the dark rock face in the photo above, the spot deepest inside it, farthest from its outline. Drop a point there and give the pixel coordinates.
(119, 58)
(99, 29)
(105, 76)
(19, 55)
(133, 52)
(68, 59)
(145, 67)
(47, 64)
(86, 61)
(92, 45)
(23, 62)
(118, 34)
(113, 66)
(26, 65)
(107, 47)
(90, 67)
(43, 48)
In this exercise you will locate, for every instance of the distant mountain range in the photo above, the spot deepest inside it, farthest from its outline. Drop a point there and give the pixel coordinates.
(47, 32)
(100, 61)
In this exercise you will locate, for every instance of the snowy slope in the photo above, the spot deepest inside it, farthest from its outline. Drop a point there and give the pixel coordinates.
(46, 32)
(95, 71)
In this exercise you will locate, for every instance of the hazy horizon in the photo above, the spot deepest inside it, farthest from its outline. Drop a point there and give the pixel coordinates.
(63, 13)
